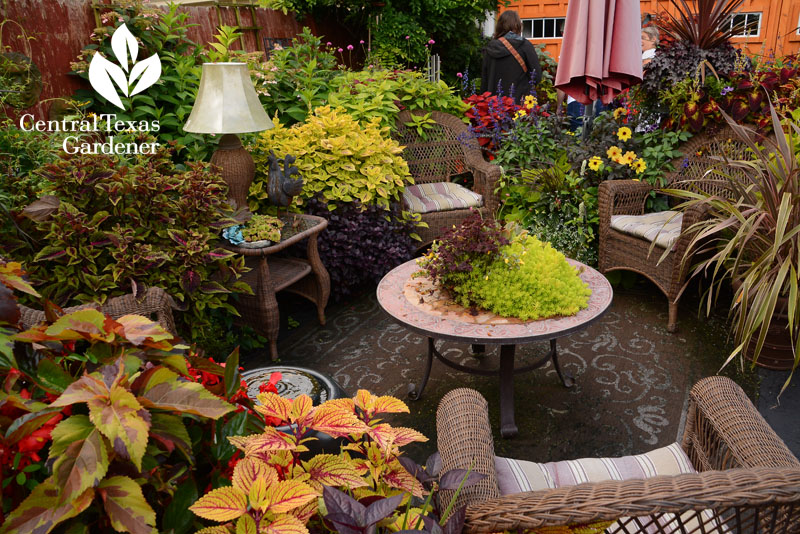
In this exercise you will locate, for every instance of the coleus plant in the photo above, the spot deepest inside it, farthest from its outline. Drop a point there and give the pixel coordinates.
(490, 117)
(126, 417)
(275, 489)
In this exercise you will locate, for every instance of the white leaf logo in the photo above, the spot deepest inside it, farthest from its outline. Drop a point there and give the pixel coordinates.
(109, 79)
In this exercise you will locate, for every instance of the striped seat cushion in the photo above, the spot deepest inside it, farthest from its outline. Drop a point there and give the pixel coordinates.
(664, 226)
(439, 196)
(517, 476)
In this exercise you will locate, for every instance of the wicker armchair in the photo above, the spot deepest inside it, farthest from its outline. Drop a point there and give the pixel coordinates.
(621, 250)
(447, 150)
(154, 303)
(747, 479)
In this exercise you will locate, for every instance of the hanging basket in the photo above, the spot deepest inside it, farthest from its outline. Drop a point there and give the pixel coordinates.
(22, 78)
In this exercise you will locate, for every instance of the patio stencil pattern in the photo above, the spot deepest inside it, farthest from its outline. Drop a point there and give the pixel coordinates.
(632, 376)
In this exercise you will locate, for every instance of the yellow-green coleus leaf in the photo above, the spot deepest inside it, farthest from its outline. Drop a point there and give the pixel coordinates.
(126, 507)
(162, 388)
(82, 465)
(221, 504)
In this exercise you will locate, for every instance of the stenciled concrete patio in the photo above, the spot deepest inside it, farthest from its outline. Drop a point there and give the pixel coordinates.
(632, 376)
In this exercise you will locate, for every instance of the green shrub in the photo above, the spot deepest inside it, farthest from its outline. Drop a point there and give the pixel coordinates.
(339, 158)
(108, 224)
(297, 78)
(382, 93)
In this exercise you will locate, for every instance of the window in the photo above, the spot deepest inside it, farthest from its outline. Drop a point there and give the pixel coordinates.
(745, 24)
(549, 28)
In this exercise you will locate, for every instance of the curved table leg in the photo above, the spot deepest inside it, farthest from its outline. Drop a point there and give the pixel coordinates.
(566, 378)
(508, 428)
(416, 393)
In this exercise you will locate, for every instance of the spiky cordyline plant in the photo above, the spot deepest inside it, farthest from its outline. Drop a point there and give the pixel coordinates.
(753, 236)
(704, 27)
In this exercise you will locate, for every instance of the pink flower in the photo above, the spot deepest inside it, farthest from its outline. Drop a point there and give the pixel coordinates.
(328, 43)
(349, 47)
(408, 37)
(361, 41)
(431, 42)
(340, 50)
(459, 75)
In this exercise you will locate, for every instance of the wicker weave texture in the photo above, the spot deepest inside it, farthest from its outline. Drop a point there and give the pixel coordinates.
(447, 149)
(700, 168)
(154, 303)
(748, 479)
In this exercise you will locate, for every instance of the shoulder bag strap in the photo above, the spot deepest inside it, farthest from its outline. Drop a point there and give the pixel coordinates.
(514, 53)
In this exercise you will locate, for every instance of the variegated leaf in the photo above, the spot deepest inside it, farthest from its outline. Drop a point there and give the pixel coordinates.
(334, 421)
(306, 512)
(413, 520)
(259, 494)
(126, 507)
(246, 525)
(68, 431)
(221, 504)
(383, 435)
(301, 408)
(283, 524)
(371, 404)
(333, 470)
(170, 431)
(217, 529)
(43, 509)
(287, 495)
(83, 464)
(397, 477)
(404, 436)
(241, 442)
(119, 418)
(273, 405)
(270, 440)
(250, 469)
(138, 329)
(166, 391)
(83, 324)
(85, 389)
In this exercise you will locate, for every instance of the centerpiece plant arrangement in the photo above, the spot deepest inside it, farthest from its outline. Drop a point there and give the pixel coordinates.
(503, 269)
(108, 424)
(368, 487)
(752, 237)
(258, 229)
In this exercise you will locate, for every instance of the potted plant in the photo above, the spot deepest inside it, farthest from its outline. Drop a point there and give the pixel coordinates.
(752, 238)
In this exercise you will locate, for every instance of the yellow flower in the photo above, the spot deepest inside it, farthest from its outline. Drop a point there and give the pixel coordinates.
(519, 114)
(595, 162)
(619, 112)
(614, 152)
(639, 166)
(530, 101)
(624, 133)
(629, 157)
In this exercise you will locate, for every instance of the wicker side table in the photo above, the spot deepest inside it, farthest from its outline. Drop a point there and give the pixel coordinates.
(305, 277)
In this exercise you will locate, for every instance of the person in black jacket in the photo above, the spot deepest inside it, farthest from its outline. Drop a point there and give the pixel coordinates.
(510, 62)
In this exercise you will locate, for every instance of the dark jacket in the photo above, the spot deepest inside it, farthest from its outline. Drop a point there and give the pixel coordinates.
(499, 66)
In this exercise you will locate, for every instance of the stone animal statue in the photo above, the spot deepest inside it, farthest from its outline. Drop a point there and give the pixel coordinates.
(282, 186)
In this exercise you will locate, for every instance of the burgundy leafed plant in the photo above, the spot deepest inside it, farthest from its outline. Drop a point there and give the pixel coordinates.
(708, 27)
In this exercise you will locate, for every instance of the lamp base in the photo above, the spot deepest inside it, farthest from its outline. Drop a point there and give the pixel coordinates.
(236, 168)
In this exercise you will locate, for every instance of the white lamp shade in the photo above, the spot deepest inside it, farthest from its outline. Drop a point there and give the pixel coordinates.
(227, 102)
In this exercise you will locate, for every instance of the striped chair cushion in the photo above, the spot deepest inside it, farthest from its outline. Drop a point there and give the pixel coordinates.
(664, 226)
(439, 196)
(517, 476)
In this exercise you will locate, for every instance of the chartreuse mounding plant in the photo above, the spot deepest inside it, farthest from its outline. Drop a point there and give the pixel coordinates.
(753, 236)
(506, 271)
(275, 489)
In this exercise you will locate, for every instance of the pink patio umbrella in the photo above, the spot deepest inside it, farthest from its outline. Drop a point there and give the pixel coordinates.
(601, 53)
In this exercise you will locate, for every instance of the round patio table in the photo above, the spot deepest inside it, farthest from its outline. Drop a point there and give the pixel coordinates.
(418, 305)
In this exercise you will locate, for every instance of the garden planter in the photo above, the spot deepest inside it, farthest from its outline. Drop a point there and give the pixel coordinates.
(777, 351)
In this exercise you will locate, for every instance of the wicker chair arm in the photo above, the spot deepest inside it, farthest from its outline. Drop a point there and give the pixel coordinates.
(465, 441)
(724, 430)
(611, 500)
(622, 197)
(486, 176)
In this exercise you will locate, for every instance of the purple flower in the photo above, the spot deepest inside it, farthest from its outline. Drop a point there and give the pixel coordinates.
(408, 37)
(459, 75)
(328, 43)
(431, 42)
(361, 41)
(725, 90)
(341, 50)
(349, 47)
